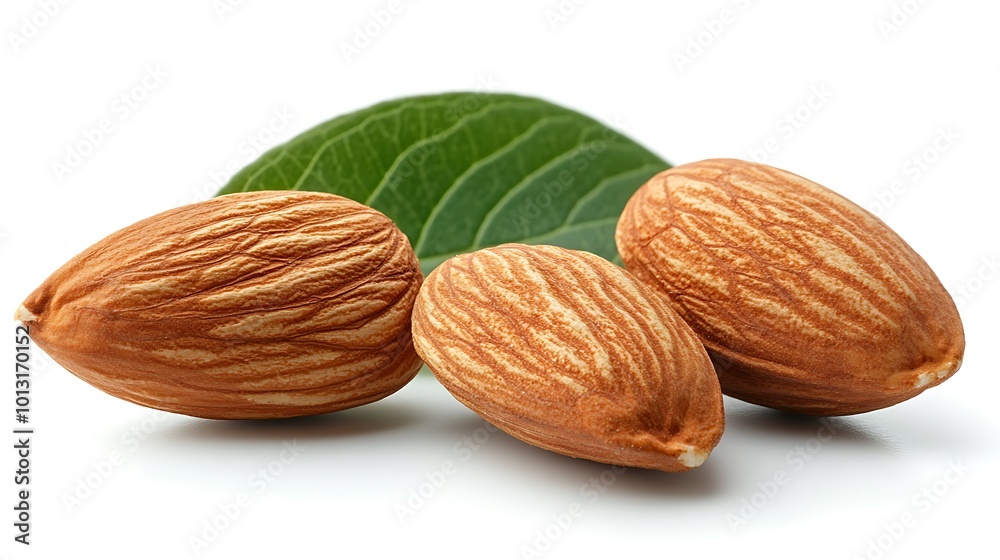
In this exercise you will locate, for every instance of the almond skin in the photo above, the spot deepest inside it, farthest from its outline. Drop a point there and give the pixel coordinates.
(568, 352)
(251, 305)
(805, 301)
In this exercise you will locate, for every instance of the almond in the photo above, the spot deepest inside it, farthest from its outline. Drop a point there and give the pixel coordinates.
(253, 305)
(571, 353)
(805, 301)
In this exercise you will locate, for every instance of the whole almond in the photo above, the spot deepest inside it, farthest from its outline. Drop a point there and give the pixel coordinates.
(569, 352)
(805, 301)
(254, 305)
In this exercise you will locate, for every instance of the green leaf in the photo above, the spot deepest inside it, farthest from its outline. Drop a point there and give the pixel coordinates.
(462, 171)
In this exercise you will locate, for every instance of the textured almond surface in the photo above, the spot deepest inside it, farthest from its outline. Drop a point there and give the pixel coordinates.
(805, 301)
(256, 305)
(569, 352)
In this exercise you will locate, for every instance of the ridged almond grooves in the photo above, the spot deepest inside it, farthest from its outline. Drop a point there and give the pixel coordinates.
(568, 352)
(256, 305)
(805, 301)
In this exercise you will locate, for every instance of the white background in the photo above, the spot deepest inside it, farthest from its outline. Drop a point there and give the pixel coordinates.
(889, 95)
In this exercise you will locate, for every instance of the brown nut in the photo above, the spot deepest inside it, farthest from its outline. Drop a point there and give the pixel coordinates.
(569, 352)
(805, 301)
(253, 305)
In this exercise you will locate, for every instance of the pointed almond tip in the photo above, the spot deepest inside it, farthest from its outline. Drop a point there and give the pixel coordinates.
(23, 315)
